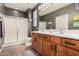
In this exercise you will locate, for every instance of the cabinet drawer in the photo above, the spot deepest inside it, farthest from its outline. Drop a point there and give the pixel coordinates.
(71, 43)
(45, 37)
(39, 36)
(55, 39)
(71, 52)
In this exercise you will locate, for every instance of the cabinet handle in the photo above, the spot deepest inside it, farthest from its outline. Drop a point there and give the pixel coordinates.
(45, 37)
(52, 47)
(55, 50)
(69, 43)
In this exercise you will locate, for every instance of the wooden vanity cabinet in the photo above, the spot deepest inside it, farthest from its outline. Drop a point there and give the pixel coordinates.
(48, 45)
(45, 46)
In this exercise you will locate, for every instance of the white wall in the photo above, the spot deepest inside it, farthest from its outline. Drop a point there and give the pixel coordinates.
(42, 25)
(62, 22)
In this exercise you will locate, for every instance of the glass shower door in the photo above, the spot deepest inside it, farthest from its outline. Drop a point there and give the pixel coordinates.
(22, 29)
(10, 29)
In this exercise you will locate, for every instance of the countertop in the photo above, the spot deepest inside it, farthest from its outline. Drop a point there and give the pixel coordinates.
(59, 34)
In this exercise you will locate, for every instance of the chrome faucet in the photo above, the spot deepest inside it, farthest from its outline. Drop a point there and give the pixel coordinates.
(61, 31)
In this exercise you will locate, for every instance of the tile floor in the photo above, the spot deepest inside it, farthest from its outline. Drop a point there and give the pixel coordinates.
(18, 50)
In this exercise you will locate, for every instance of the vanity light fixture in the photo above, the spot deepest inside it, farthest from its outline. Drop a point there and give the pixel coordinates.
(49, 22)
(43, 6)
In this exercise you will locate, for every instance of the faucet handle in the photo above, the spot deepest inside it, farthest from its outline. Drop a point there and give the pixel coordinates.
(61, 31)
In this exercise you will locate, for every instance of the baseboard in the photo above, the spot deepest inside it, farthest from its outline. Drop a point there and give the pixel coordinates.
(9, 44)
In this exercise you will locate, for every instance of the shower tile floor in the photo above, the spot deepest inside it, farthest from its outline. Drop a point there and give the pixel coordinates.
(18, 50)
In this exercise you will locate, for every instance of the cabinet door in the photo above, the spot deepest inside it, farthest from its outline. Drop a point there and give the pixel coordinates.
(71, 52)
(33, 37)
(46, 48)
(34, 41)
(64, 51)
(60, 50)
(40, 46)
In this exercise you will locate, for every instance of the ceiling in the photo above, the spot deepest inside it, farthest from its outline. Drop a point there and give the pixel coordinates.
(20, 6)
(52, 8)
(24, 6)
